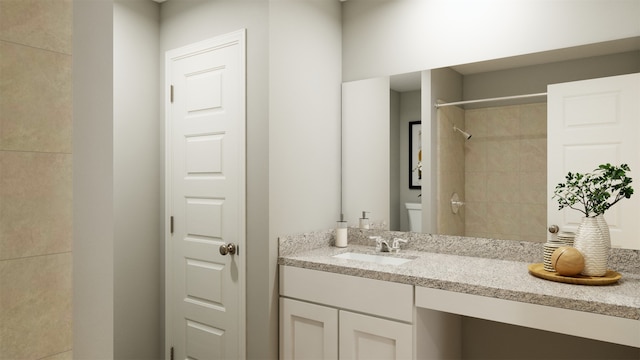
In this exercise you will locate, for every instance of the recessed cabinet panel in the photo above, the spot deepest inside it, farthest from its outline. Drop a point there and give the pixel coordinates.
(307, 331)
(367, 337)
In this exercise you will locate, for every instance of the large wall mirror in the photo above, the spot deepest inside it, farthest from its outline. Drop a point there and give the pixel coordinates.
(484, 164)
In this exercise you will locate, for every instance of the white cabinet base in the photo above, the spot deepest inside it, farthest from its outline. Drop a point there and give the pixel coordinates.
(367, 337)
(307, 331)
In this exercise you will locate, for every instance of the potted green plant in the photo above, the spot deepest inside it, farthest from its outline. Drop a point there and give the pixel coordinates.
(593, 194)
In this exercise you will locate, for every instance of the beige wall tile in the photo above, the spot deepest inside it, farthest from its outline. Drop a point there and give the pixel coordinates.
(475, 186)
(503, 187)
(533, 119)
(476, 123)
(451, 155)
(533, 222)
(504, 218)
(35, 311)
(35, 99)
(533, 155)
(35, 204)
(533, 188)
(45, 24)
(476, 218)
(505, 172)
(35, 187)
(451, 163)
(475, 159)
(503, 156)
(503, 121)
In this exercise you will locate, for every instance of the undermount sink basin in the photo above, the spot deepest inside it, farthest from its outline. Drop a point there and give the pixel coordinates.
(378, 259)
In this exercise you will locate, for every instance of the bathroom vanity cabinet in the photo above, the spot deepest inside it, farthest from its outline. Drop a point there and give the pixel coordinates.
(336, 307)
(328, 316)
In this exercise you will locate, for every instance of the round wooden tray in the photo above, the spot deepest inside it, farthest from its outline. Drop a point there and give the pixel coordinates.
(610, 277)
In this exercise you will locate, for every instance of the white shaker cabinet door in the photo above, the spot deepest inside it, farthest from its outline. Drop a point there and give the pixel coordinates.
(367, 337)
(307, 331)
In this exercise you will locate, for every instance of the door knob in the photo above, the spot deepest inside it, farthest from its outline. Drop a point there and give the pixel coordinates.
(554, 229)
(227, 249)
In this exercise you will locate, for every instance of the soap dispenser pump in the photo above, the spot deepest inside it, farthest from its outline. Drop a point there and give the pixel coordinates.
(364, 221)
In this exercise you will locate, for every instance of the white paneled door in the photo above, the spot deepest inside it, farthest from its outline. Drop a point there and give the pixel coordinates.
(205, 199)
(589, 123)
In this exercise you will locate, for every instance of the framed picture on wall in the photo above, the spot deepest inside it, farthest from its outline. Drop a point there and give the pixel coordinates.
(415, 154)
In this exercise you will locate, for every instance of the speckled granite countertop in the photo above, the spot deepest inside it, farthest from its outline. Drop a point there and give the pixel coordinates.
(492, 268)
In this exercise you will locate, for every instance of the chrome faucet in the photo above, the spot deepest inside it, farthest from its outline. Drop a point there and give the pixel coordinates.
(383, 245)
(396, 244)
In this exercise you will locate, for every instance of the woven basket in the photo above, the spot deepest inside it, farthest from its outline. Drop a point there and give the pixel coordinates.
(594, 241)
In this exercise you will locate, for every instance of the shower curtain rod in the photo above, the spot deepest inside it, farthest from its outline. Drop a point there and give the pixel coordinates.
(490, 99)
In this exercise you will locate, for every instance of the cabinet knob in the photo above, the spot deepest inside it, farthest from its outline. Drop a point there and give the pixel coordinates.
(554, 229)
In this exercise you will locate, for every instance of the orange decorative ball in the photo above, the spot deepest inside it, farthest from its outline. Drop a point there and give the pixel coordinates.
(567, 261)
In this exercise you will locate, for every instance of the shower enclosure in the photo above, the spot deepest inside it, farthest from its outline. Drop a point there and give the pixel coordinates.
(499, 174)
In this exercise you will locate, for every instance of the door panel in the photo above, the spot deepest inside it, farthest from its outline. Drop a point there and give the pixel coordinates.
(204, 342)
(206, 197)
(593, 122)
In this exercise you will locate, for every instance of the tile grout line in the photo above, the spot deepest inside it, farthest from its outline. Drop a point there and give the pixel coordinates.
(35, 256)
(38, 152)
(55, 354)
(34, 47)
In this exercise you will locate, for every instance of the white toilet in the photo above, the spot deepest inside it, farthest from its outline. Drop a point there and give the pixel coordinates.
(415, 216)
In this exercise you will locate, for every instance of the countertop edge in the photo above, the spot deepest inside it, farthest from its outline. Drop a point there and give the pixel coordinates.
(601, 308)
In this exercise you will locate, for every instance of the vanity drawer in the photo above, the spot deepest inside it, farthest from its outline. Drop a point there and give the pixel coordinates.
(376, 297)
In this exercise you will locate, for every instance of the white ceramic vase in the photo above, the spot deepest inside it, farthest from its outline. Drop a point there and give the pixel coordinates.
(593, 241)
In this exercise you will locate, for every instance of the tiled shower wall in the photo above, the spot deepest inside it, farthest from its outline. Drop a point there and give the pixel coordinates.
(505, 172)
(451, 174)
(35, 179)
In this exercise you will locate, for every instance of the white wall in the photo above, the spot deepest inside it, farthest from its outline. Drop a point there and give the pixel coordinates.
(93, 200)
(117, 274)
(304, 129)
(387, 37)
(304, 114)
(137, 192)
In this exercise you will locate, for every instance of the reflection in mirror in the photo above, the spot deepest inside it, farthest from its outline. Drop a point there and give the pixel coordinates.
(405, 108)
(499, 173)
